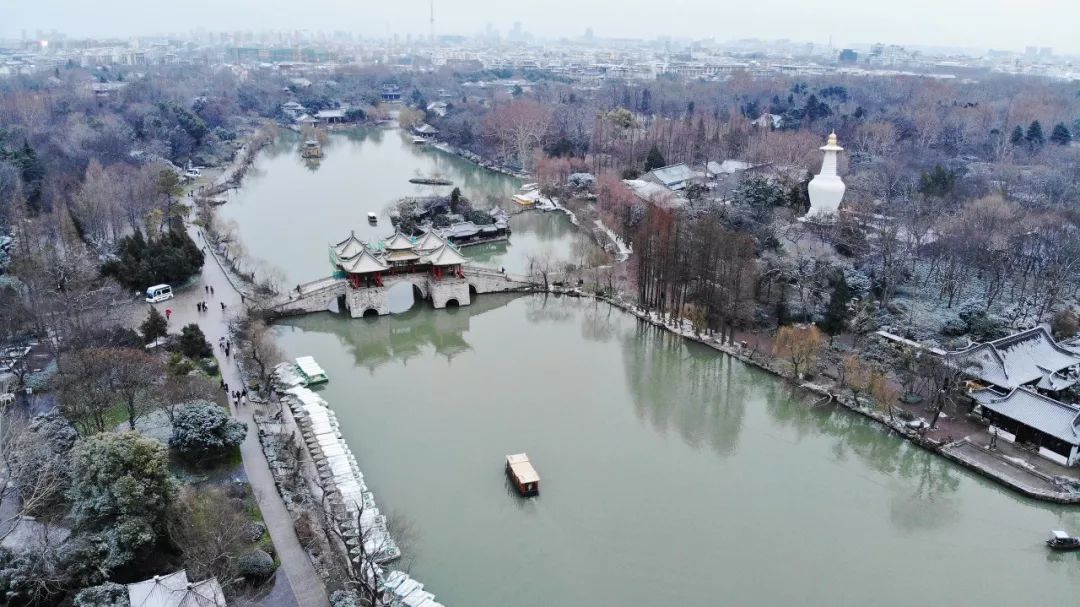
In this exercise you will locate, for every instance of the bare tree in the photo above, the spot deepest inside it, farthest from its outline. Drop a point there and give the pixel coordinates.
(211, 529)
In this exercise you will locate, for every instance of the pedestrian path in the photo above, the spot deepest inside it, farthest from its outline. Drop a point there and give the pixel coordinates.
(306, 584)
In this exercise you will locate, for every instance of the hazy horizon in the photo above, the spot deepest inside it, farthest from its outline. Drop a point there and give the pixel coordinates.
(999, 24)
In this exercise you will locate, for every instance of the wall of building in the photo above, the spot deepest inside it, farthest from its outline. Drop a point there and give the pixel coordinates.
(370, 298)
(444, 290)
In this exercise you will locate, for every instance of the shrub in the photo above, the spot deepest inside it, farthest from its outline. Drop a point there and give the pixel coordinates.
(210, 365)
(255, 565)
(108, 594)
(179, 366)
(480, 218)
(1065, 324)
(203, 430)
(193, 343)
(344, 598)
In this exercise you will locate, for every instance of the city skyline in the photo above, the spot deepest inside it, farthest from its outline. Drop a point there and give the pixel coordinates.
(959, 24)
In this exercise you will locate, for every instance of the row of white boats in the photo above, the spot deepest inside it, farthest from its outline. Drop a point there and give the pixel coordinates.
(351, 503)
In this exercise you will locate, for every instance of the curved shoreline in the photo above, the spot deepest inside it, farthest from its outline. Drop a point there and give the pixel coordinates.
(768, 365)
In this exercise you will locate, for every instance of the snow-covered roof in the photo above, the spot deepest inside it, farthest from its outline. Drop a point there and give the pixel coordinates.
(309, 367)
(363, 263)
(430, 241)
(462, 229)
(522, 468)
(398, 242)
(349, 247)
(1018, 359)
(174, 590)
(652, 192)
(1034, 410)
(674, 176)
(445, 256)
(726, 167)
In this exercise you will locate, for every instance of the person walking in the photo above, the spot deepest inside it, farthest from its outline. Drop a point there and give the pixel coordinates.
(226, 386)
(226, 350)
(211, 289)
(207, 289)
(168, 314)
(222, 306)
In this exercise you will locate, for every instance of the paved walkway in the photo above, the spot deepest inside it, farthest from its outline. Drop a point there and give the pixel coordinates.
(306, 584)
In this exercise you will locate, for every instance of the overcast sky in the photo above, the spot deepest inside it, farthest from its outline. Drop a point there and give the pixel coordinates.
(1005, 24)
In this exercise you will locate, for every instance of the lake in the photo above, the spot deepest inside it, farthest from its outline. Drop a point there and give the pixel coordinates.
(670, 473)
(289, 209)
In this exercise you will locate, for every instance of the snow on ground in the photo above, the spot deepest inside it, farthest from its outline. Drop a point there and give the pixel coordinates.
(622, 250)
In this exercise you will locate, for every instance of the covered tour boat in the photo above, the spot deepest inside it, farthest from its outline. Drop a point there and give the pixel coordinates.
(1060, 540)
(310, 371)
(523, 475)
(372, 217)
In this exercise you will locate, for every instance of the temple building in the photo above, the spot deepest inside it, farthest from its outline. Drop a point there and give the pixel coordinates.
(1019, 382)
(365, 265)
(826, 189)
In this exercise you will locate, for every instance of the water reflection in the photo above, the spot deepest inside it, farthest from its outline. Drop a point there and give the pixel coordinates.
(684, 386)
(374, 342)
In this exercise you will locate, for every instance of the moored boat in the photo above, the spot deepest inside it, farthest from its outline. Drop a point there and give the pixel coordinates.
(523, 475)
(372, 217)
(1060, 540)
(310, 371)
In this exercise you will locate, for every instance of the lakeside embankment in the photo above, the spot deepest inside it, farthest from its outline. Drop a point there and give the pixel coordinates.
(1001, 469)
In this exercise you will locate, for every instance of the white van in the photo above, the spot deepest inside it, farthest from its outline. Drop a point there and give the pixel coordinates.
(158, 293)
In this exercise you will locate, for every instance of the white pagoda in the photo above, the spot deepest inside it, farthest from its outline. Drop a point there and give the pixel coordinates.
(826, 189)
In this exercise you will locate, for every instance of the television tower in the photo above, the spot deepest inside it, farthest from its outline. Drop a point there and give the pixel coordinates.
(432, 32)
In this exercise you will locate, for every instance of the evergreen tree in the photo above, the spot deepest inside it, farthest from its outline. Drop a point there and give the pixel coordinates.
(193, 342)
(645, 107)
(1061, 134)
(1017, 135)
(654, 159)
(1034, 136)
(155, 326)
(172, 258)
(837, 312)
(121, 494)
(938, 183)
